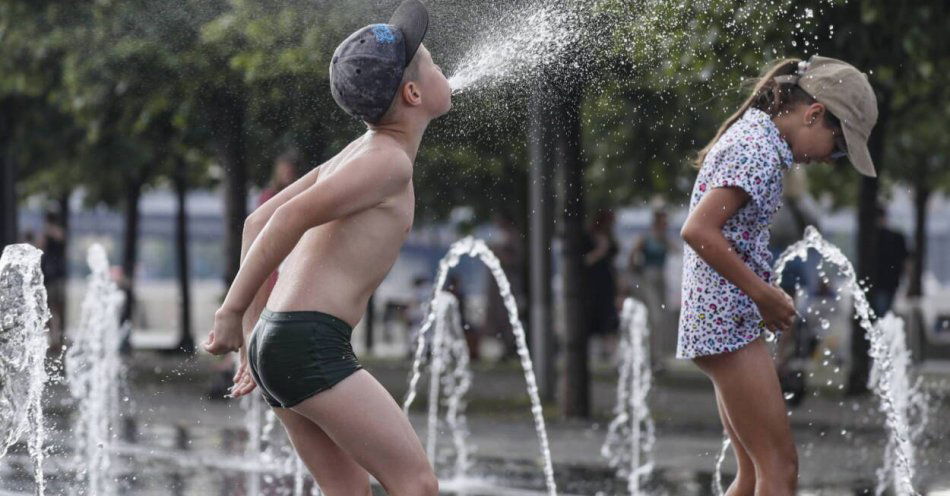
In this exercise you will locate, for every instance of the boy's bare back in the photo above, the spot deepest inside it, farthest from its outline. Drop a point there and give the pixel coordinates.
(336, 266)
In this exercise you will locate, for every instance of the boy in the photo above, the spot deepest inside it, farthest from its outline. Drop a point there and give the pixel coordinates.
(336, 233)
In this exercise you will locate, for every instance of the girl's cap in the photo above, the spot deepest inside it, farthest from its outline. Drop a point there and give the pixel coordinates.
(848, 95)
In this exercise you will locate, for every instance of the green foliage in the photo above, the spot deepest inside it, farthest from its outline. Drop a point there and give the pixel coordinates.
(102, 93)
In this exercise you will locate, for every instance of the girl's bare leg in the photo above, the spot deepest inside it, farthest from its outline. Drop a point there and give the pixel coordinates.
(744, 483)
(335, 471)
(360, 416)
(748, 388)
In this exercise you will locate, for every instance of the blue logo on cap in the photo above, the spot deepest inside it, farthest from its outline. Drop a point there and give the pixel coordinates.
(383, 34)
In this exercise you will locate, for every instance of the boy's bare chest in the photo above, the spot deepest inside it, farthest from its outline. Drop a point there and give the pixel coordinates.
(402, 210)
(391, 219)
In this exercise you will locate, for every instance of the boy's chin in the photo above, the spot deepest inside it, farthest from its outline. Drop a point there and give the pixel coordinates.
(444, 110)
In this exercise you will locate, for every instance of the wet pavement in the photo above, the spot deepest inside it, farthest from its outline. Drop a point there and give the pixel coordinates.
(176, 441)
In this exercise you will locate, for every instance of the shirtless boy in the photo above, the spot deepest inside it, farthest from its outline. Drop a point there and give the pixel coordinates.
(337, 231)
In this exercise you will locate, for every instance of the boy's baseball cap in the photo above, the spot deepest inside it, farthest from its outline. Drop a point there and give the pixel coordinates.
(367, 68)
(848, 95)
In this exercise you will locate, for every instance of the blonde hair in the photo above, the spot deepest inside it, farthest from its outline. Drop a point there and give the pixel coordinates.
(769, 96)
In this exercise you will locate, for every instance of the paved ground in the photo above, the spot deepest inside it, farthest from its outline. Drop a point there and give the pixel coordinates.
(840, 440)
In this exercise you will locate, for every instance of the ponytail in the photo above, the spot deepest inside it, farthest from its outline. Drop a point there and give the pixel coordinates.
(769, 96)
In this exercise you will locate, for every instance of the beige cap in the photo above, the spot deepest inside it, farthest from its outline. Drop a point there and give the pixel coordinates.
(848, 95)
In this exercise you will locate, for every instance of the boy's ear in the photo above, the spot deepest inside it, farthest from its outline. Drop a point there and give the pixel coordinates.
(412, 94)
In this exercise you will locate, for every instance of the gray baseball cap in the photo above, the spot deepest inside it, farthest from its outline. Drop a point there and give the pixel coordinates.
(367, 68)
(848, 95)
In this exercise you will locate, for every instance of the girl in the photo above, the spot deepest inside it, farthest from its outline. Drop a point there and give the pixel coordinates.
(802, 112)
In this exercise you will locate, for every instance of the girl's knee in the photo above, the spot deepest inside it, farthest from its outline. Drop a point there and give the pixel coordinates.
(783, 469)
(791, 474)
(429, 485)
(423, 483)
(788, 457)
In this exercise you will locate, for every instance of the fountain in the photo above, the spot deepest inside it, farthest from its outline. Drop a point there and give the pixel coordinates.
(96, 377)
(720, 458)
(94, 372)
(450, 372)
(631, 434)
(539, 36)
(273, 451)
(910, 401)
(23, 345)
(270, 463)
(899, 401)
(474, 248)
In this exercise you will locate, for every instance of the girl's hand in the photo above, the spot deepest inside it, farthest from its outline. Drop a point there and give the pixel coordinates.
(226, 335)
(776, 308)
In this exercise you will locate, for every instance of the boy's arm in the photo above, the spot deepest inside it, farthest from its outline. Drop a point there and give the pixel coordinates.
(364, 182)
(258, 218)
(252, 228)
(256, 221)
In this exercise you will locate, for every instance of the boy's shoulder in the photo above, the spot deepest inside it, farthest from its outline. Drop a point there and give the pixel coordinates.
(385, 155)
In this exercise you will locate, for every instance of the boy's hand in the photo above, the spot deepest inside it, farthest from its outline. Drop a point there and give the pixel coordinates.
(776, 307)
(226, 335)
(243, 380)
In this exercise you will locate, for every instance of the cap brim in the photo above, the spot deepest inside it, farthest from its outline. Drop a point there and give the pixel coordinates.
(858, 153)
(412, 18)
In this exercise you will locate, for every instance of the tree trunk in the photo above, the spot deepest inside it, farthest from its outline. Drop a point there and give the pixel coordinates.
(130, 255)
(229, 138)
(576, 397)
(186, 342)
(921, 199)
(64, 213)
(868, 260)
(8, 197)
(916, 337)
(539, 221)
(8, 172)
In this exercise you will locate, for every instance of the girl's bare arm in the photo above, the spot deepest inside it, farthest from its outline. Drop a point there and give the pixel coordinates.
(702, 231)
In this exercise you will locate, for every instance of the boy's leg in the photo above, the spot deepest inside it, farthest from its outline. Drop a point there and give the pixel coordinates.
(334, 470)
(748, 387)
(360, 416)
(744, 484)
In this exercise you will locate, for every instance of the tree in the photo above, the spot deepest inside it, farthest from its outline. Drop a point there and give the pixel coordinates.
(899, 46)
(34, 135)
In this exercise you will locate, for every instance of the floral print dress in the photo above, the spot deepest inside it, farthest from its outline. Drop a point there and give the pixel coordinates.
(717, 317)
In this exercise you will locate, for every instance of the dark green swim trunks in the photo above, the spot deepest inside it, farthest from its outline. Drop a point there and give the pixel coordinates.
(295, 355)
